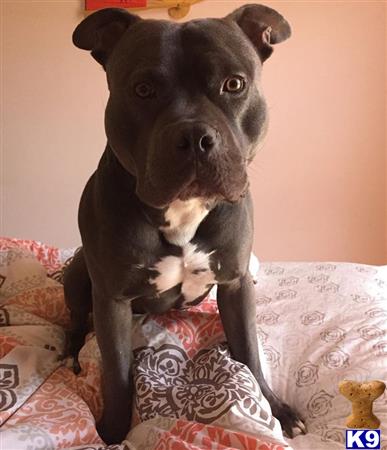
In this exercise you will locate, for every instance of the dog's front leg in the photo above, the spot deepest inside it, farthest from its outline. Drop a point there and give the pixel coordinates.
(237, 308)
(113, 326)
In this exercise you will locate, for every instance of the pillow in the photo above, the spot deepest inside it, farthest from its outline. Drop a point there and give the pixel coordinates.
(320, 323)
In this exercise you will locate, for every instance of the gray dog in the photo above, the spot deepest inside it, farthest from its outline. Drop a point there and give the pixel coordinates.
(168, 212)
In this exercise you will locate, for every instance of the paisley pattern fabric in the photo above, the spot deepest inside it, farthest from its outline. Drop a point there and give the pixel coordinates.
(317, 323)
(202, 389)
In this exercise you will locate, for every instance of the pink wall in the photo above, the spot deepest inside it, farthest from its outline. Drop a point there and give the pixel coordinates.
(319, 182)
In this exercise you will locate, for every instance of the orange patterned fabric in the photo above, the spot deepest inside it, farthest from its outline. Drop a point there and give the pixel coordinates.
(57, 408)
(189, 435)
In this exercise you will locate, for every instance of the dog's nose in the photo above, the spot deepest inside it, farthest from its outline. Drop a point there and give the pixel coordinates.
(199, 138)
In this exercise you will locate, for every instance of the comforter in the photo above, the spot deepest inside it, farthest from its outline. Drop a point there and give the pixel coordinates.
(318, 323)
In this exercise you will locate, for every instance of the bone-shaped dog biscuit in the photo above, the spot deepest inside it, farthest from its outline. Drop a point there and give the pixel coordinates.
(362, 395)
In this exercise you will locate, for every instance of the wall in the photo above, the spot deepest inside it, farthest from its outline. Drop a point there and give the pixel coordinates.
(319, 182)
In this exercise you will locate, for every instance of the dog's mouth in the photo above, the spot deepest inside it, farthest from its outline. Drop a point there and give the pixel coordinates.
(221, 176)
(224, 179)
(198, 189)
(159, 194)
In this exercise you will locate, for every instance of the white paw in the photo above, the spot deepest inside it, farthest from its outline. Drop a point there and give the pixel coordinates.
(254, 267)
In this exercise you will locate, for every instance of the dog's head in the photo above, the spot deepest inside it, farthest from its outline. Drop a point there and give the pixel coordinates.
(185, 110)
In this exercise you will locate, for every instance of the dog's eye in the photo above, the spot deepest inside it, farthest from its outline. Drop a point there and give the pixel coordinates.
(233, 84)
(144, 90)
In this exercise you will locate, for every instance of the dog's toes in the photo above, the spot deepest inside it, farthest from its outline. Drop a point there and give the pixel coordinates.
(71, 363)
(298, 428)
(290, 421)
(61, 357)
(113, 432)
(73, 345)
(76, 366)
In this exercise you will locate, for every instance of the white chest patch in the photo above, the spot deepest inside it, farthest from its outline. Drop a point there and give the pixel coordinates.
(192, 269)
(183, 217)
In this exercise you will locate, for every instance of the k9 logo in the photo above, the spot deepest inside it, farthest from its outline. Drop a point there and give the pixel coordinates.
(355, 439)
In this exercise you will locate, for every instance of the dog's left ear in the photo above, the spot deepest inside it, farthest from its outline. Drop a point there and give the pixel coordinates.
(263, 26)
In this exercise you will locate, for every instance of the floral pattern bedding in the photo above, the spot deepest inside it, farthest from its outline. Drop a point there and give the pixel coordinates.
(317, 323)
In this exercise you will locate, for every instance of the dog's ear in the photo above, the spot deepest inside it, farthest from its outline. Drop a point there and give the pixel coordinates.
(263, 26)
(100, 31)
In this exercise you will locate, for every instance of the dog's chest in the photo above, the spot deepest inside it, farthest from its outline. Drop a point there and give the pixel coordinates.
(182, 220)
(192, 269)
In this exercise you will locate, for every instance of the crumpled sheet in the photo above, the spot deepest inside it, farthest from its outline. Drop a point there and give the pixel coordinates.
(318, 323)
(189, 392)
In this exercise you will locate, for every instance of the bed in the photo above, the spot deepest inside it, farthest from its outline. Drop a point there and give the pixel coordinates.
(318, 323)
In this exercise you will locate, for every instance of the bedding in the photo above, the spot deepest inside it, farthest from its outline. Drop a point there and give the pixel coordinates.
(318, 323)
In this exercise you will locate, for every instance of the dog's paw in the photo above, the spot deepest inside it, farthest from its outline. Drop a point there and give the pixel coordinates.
(112, 431)
(71, 350)
(290, 421)
(76, 366)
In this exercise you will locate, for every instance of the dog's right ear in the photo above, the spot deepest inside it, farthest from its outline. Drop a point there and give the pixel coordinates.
(101, 31)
